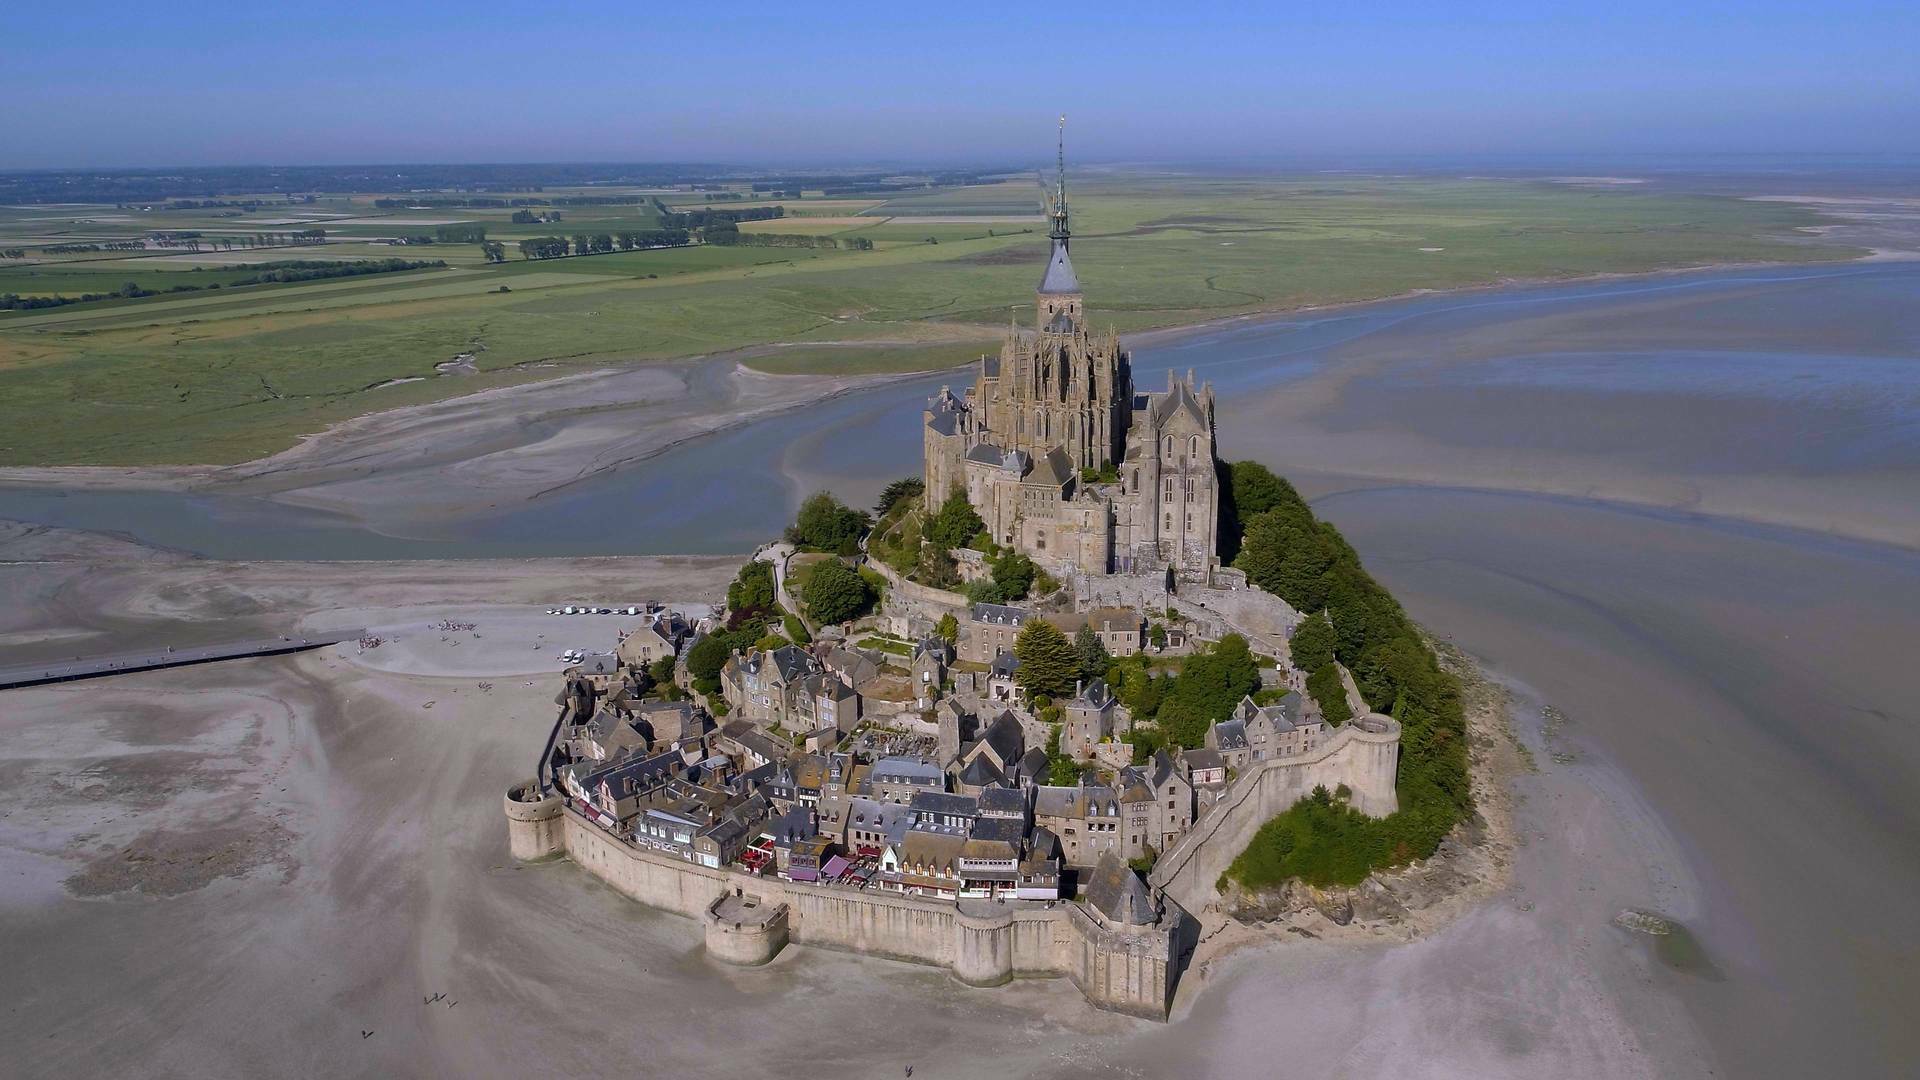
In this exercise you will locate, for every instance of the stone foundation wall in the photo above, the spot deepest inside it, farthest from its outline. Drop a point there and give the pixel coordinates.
(1363, 754)
(982, 942)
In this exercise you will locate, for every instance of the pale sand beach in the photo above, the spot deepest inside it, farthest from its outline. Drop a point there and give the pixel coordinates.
(280, 854)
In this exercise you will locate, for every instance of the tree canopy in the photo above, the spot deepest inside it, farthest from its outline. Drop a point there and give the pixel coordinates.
(1312, 643)
(956, 524)
(901, 490)
(1094, 659)
(948, 629)
(1306, 562)
(836, 593)
(824, 523)
(1209, 685)
(1048, 663)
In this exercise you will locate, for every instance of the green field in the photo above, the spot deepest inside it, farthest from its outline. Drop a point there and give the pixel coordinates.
(227, 376)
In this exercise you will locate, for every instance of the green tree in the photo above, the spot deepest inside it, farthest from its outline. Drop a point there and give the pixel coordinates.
(948, 629)
(661, 671)
(902, 490)
(956, 523)
(1094, 658)
(1209, 685)
(751, 590)
(826, 524)
(1330, 694)
(705, 660)
(835, 593)
(1048, 664)
(1014, 573)
(936, 568)
(985, 591)
(1312, 643)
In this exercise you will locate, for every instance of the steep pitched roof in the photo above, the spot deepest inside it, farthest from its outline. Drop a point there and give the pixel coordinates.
(1119, 894)
(1178, 398)
(1059, 280)
(1052, 468)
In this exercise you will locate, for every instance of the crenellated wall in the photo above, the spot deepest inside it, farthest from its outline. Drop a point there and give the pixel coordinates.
(1362, 754)
(984, 943)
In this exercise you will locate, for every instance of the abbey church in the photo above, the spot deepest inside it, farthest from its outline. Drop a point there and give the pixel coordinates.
(1063, 459)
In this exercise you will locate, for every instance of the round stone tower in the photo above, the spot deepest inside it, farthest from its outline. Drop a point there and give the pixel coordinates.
(533, 822)
(983, 946)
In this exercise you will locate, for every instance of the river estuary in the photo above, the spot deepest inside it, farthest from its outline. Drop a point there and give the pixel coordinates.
(1682, 510)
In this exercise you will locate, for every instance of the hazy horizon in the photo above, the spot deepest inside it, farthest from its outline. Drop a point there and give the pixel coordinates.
(117, 85)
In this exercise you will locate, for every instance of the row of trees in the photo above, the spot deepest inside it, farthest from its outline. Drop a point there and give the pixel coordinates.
(555, 247)
(1287, 551)
(265, 273)
(728, 234)
(701, 219)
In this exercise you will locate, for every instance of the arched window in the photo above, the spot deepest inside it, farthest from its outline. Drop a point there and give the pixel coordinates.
(1169, 448)
(1193, 447)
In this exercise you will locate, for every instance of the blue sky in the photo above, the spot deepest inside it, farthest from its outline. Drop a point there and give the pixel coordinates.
(198, 82)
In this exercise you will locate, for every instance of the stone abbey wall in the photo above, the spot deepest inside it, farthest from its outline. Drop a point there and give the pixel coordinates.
(1363, 754)
(981, 942)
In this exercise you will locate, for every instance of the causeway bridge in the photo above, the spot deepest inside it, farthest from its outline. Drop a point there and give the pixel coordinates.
(90, 667)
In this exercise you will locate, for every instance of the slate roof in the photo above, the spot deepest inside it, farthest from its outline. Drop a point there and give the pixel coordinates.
(1178, 398)
(942, 802)
(1003, 802)
(873, 816)
(1231, 734)
(1119, 894)
(1094, 695)
(1002, 614)
(1005, 737)
(981, 772)
(895, 770)
(1005, 664)
(792, 662)
(1204, 759)
(1059, 280)
(634, 775)
(1006, 830)
(1052, 468)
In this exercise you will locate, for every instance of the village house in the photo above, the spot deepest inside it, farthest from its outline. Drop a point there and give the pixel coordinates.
(787, 687)
(1123, 631)
(897, 779)
(1289, 726)
(1085, 817)
(661, 636)
(1092, 716)
(932, 657)
(989, 630)
(1229, 739)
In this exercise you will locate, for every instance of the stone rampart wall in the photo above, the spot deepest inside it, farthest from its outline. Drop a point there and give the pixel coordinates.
(914, 592)
(983, 943)
(1363, 754)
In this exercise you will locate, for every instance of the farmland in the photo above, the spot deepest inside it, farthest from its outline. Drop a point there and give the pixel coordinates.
(220, 376)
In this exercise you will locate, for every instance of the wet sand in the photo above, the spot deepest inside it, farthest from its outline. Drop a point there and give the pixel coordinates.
(1711, 573)
(273, 856)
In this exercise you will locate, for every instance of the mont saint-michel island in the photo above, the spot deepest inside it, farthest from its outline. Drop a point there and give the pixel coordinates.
(1021, 543)
(1028, 721)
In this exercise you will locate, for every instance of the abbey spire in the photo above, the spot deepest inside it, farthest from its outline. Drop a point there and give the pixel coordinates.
(1059, 287)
